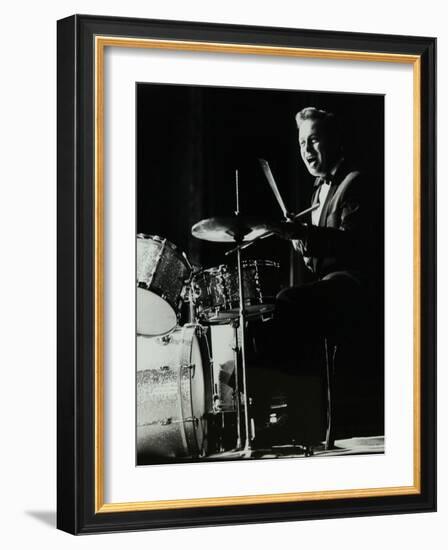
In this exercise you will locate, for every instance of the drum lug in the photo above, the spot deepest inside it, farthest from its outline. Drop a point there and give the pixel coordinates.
(164, 340)
(157, 262)
(192, 368)
(168, 421)
(217, 405)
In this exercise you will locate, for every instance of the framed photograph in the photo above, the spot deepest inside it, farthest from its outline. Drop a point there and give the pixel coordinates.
(246, 274)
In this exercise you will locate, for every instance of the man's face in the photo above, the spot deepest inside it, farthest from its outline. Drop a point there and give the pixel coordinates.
(314, 147)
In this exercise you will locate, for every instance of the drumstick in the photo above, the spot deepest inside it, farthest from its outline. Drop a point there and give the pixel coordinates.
(271, 233)
(306, 211)
(268, 173)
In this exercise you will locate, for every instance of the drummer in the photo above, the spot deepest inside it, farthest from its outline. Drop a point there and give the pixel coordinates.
(336, 245)
(333, 244)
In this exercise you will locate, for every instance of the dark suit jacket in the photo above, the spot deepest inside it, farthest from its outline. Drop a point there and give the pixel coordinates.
(343, 240)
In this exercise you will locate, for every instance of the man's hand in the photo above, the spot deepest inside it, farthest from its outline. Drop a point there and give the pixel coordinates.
(289, 230)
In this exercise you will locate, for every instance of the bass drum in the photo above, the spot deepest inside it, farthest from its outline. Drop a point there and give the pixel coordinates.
(174, 394)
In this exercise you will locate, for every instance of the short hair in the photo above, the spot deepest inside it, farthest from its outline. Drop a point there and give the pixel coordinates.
(329, 122)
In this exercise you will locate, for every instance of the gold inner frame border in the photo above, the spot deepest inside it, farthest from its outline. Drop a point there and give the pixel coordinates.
(101, 42)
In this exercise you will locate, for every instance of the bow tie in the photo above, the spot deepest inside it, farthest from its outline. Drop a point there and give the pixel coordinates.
(323, 179)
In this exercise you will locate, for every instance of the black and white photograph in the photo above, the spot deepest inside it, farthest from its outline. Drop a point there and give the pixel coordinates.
(246, 276)
(259, 274)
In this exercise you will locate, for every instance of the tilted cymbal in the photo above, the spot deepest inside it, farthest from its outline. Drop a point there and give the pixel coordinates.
(229, 229)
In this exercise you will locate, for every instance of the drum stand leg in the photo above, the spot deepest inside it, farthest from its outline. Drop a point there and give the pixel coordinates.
(240, 363)
(247, 447)
(237, 393)
(240, 351)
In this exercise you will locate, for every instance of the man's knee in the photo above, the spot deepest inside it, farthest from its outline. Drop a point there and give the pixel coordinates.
(282, 296)
(290, 295)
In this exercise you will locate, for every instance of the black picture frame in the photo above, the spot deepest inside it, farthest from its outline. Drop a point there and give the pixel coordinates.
(79, 504)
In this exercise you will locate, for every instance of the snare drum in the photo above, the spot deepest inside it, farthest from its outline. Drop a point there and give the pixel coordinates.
(216, 290)
(162, 271)
(174, 394)
(261, 284)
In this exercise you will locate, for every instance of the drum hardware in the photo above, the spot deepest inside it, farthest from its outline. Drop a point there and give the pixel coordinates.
(236, 392)
(192, 368)
(187, 295)
(163, 422)
(267, 233)
(217, 405)
(237, 229)
(242, 323)
(217, 401)
(265, 317)
(264, 235)
(164, 340)
(187, 261)
(252, 428)
(169, 421)
(307, 450)
(222, 344)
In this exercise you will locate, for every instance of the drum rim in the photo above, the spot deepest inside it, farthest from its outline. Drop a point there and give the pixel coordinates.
(158, 292)
(190, 331)
(245, 263)
(163, 241)
(261, 262)
(215, 268)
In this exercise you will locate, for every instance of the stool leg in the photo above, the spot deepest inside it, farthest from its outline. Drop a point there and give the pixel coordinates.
(330, 354)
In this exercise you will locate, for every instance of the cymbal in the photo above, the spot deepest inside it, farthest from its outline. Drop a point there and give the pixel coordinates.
(229, 229)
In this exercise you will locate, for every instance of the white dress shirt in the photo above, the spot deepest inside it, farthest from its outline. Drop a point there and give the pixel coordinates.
(320, 198)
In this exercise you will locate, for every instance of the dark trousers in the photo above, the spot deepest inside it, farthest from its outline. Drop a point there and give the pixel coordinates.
(292, 347)
(331, 308)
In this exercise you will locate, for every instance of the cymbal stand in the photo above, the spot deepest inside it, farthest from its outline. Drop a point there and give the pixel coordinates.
(242, 321)
(236, 358)
(268, 233)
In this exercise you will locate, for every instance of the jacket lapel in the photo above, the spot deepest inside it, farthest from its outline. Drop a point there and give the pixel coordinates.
(325, 209)
(336, 180)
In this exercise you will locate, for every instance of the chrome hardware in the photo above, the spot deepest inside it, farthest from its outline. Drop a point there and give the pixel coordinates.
(192, 368)
(164, 340)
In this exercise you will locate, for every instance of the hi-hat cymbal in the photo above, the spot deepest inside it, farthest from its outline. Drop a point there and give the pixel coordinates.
(229, 229)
